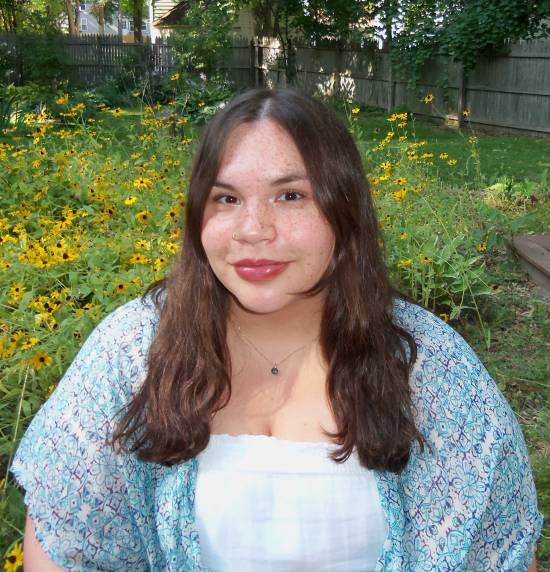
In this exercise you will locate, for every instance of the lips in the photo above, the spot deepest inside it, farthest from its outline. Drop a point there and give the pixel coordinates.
(258, 270)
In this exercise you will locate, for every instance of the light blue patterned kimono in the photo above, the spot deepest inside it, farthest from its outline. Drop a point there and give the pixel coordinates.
(468, 505)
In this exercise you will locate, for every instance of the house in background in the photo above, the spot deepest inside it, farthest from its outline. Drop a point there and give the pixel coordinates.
(121, 25)
(166, 15)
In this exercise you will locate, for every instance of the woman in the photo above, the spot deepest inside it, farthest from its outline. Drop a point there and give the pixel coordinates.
(273, 405)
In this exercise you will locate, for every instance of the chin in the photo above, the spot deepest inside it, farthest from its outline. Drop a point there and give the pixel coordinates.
(261, 304)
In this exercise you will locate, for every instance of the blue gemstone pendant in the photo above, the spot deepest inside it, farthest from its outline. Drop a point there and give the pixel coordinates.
(274, 370)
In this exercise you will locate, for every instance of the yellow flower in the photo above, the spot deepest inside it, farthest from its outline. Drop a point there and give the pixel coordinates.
(138, 259)
(444, 316)
(172, 247)
(443, 156)
(375, 192)
(63, 100)
(16, 292)
(14, 558)
(428, 98)
(466, 113)
(50, 389)
(405, 262)
(399, 195)
(452, 162)
(130, 200)
(171, 215)
(141, 244)
(482, 247)
(40, 359)
(159, 263)
(141, 183)
(136, 93)
(412, 155)
(402, 124)
(201, 104)
(120, 288)
(175, 76)
(355, 110)
(27, 344)
(143, 216)
(117, 112)
(385, 166)
(426, 259)
(472, 140)
(400, 181)
(403, 235)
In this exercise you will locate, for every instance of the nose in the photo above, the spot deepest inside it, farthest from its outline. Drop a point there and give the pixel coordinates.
(256, 223)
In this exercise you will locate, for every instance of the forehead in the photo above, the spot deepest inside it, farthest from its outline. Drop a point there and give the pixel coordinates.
(262, 147)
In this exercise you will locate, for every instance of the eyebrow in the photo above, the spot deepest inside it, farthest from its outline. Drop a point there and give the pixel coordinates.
(289, 178)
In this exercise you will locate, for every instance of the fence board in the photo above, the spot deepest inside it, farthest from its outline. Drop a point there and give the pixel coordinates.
(509, 90)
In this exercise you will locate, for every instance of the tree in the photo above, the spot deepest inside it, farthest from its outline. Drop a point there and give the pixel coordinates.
(462, 29)
(37, 15)
(136, 9)
(203, 39)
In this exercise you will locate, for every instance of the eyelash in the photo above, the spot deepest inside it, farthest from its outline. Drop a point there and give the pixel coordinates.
(218, 198)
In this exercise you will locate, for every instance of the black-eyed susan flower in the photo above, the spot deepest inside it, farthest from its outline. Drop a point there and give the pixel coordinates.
(27, 344)
(481, 247)
(16, 292)
(355, 110)
(138, 258)
(117, 112)
(171, 215)
(405, 262)
(130, 200)
(142, 183)
(175, 76)
(426, 259)
(444, 316)
(399, 195)
(40, 360)
(62, 100)
(466, 113)
(120, 287)
(403, 235)
(143, 216)
(400, 181)
(428, 98)
(14, 558)
(443, 156)
(452, 162)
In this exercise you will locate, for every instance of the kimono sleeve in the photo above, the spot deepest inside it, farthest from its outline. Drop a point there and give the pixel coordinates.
(75, 490)
(471, 503)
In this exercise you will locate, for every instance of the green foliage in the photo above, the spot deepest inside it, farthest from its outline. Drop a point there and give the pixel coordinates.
(40, 58)
(463, 31)
(201, 43)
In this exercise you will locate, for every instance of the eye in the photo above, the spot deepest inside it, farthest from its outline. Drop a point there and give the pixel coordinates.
(291, 196)
(226, 199)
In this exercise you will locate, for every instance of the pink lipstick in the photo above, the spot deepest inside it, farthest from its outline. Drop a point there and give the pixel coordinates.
(260, 269)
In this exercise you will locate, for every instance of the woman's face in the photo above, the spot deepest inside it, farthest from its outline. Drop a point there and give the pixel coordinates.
(265, 238)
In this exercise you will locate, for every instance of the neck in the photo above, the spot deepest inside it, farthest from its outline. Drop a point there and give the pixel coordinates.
(289, 327)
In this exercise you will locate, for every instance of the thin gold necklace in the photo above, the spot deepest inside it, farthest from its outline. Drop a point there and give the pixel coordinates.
(275, 367)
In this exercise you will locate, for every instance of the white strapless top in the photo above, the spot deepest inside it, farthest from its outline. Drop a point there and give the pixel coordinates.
(264, 504)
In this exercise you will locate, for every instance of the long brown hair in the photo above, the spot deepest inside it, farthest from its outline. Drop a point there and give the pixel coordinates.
(369, 356)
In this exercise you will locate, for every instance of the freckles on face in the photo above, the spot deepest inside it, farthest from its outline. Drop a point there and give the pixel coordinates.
(262, 207)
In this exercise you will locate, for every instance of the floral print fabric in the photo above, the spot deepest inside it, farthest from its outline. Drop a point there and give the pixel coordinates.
(465, 503)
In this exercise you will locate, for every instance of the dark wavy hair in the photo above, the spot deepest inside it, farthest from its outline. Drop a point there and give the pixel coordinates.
(369, 356)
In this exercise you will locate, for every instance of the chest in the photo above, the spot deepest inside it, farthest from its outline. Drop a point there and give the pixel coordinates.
(291, 405)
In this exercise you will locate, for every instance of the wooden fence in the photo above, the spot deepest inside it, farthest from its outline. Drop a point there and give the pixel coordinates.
(509, 91)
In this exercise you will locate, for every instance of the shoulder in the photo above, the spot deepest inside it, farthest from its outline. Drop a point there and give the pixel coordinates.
(134, 321)
(448, 381)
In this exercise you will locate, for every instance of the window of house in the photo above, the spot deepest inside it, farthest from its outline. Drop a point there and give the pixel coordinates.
(83, 6)
(83, 24)
(143, 26)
